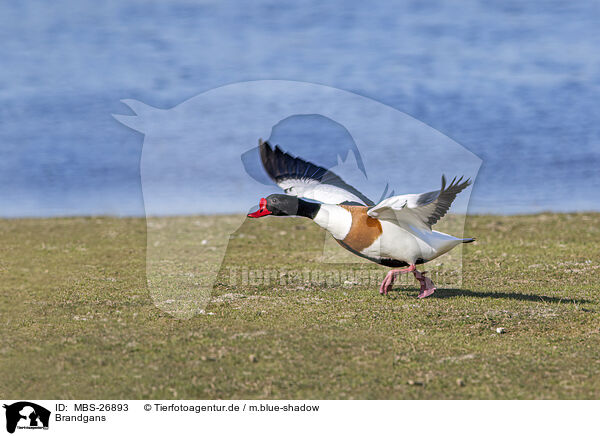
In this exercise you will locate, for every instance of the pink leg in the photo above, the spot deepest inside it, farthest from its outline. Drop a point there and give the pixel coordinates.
(427, 286)
(388, 281)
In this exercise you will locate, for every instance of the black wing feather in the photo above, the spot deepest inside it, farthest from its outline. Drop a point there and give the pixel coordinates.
(281, 166)
(445, 198)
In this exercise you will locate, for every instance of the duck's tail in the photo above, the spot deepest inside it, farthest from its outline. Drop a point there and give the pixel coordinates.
(467, 240)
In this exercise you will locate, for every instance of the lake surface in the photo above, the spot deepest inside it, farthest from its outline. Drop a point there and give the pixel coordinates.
(516, 83)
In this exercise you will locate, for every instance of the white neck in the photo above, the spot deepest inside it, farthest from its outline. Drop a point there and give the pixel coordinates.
(335, 219)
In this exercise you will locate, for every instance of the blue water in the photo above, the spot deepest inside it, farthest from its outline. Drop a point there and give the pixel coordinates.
(517, 83)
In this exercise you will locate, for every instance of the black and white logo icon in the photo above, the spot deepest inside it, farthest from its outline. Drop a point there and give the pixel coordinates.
(26, 415)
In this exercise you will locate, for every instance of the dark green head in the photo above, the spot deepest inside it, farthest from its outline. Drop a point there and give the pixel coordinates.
(285, 205)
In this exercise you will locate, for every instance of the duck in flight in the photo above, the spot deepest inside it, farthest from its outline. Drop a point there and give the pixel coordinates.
(396, 232)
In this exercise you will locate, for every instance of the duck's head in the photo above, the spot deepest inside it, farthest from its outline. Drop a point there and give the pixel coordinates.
(277, 205)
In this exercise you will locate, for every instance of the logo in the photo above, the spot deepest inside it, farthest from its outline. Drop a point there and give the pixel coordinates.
(26, 415)
(195, 154)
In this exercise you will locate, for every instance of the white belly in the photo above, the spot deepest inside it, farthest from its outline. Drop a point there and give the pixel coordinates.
(406, 244)
(410, 245)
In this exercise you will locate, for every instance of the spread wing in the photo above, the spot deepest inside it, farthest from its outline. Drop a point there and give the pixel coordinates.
(304, 179)
(419, 209)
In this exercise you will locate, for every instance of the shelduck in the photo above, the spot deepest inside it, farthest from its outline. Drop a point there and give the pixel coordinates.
(396, 232)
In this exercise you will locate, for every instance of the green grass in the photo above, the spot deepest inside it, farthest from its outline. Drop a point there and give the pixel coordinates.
(79, 321)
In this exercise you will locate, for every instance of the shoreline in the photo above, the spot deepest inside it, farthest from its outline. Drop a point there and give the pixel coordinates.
(108, 216)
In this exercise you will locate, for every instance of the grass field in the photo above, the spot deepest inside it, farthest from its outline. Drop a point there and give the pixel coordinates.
(79, 321)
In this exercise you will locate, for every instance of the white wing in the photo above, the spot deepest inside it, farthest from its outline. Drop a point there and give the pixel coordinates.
(422, 210)
(304, 179)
